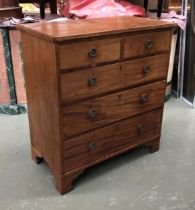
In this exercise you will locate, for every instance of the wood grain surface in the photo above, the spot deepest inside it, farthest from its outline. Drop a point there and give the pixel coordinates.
(75, 85)
(111, 108)
(136, 45)
(42, 98)
(77, 29)
(110, 139)
(77, 54)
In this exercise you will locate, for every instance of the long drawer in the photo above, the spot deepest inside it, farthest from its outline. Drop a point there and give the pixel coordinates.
(146, 44)
(91, 82)
(89, 53)
(91, 114)
(99, 144)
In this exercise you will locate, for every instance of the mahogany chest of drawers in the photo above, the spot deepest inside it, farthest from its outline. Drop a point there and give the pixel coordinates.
(95, 89)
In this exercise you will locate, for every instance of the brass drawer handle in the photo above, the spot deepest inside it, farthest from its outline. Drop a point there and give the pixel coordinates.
(141, 128)
(91, 146)
(148, 44)
(92, 52)
(92, 113)
(146, 69)
(144, 98)
(92, 81)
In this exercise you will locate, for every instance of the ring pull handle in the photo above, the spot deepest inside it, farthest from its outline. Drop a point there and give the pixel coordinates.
(91, 146)
(92, 113)
(146, 69)
(148, 44)
(141, 128)
(144, 98)
(91, 81)
(92, 53)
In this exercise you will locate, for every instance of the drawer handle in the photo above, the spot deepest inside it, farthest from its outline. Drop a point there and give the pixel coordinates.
(91, 146)
(146, 69)
(148, 44)
(144, 98)
(92, 81)
(92, 113)
(92, 52)
(141, 128)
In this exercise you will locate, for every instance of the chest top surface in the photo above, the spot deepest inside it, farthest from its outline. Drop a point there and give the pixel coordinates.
(76, 29)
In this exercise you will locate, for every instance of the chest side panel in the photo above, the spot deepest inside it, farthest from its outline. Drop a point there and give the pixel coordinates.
(41, 78)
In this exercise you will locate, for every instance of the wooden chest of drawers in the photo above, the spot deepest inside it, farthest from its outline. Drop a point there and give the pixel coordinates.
(95, 89)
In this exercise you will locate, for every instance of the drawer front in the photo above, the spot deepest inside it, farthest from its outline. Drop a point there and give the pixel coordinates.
(86, 54)
(91, 82)
(146, 44)
(98, 112)
(99, 144)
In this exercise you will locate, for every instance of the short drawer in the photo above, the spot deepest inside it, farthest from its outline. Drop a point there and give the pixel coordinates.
(102, 143)
(86, 54)
(101, 111)
(146, 44)
(91, 82)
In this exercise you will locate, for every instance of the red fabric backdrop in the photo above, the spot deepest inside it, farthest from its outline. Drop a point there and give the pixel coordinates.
(100, 8)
